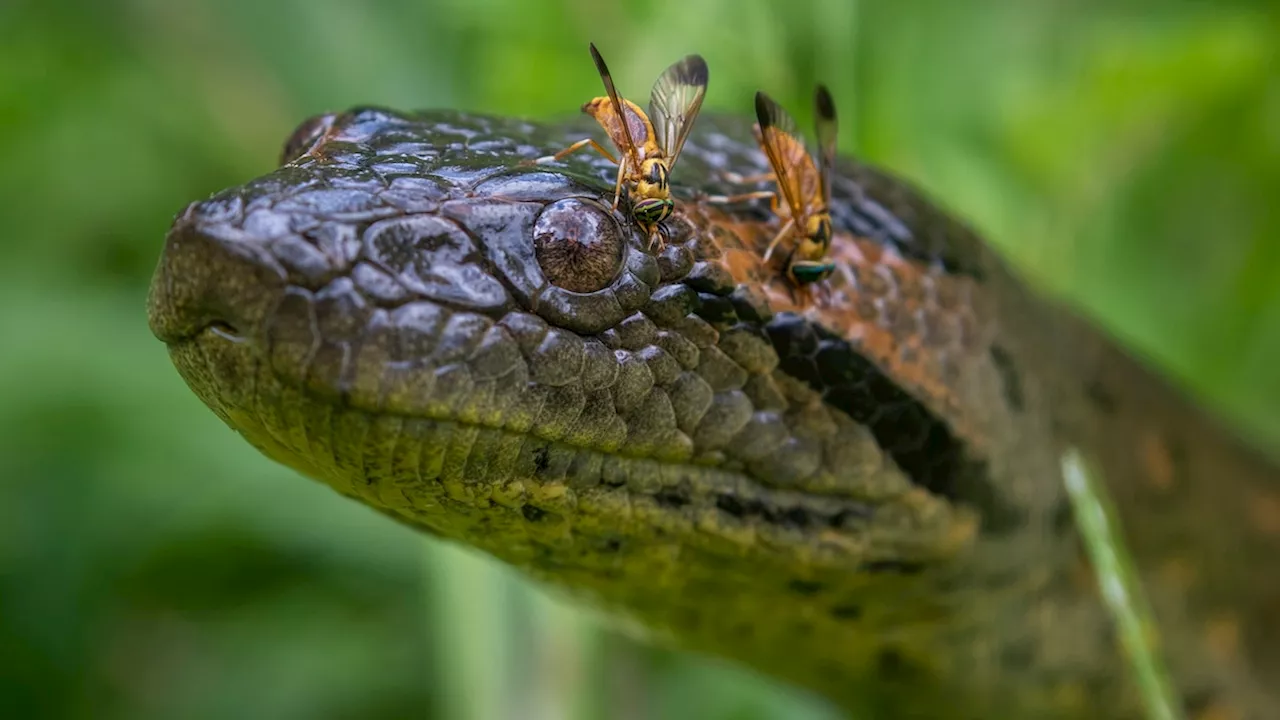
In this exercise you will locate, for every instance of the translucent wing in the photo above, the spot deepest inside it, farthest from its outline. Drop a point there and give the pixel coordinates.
(629, 147)
(824, 118)
(785, 150)
(675, 101)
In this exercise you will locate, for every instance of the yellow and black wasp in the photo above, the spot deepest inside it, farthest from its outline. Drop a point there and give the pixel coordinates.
(648, 144)
(805, 188)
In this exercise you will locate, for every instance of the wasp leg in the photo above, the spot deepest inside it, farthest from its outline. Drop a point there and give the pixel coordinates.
(786, 228)
(585, 142)
(731, 199)
(617, 185)
(656, 233)
(573, 149)
(734, 178)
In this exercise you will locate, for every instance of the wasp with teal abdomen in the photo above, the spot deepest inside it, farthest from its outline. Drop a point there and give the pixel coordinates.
(805, 188)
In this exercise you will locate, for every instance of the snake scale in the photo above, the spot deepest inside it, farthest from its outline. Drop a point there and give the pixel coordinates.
(853, 487)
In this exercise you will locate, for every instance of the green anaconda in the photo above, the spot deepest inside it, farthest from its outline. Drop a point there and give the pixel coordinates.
(855, 489)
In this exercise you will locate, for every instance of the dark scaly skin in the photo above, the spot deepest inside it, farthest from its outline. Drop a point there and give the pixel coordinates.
(856, 490)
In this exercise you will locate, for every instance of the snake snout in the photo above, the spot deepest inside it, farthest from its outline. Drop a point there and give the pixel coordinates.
(211, 276)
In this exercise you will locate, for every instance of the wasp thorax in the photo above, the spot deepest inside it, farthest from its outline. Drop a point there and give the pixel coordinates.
(653, 179)
(818, 229)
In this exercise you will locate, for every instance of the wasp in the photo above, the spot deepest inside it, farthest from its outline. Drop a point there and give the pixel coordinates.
(805, 188)
(648, 145)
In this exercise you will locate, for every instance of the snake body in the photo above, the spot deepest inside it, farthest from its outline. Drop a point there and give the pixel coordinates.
(854, 487)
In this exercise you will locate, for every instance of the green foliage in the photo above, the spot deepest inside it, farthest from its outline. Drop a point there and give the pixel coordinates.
(153, 565)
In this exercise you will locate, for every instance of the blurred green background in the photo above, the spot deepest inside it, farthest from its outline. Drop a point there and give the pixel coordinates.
(152, 565)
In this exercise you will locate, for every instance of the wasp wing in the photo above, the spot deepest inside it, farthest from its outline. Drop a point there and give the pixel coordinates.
(629, 146)
(675, 101)
(784, 149)
(824, 119)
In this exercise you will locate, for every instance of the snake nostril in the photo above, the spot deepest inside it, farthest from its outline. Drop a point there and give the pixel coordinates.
(210, 277)
(225, 328)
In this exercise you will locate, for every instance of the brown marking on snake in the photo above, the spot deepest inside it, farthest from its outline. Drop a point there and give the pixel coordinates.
(917, 324)
(1222, 637)
(1178, 573)
(1218, 710)
(1264, 512)
(1157, 462)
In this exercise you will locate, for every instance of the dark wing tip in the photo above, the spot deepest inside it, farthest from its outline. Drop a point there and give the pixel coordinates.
(825, 105)
(693, 70)
(600, 66)
(764, 110)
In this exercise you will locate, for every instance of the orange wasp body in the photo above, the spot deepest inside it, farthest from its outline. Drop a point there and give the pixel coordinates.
(804, 187)
(648, 148)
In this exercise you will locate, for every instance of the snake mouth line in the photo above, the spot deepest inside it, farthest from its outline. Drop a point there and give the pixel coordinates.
(211, 331)
(680, 497)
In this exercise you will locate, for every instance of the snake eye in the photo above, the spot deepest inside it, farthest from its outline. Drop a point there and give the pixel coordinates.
(305, 137)
(578, 245)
